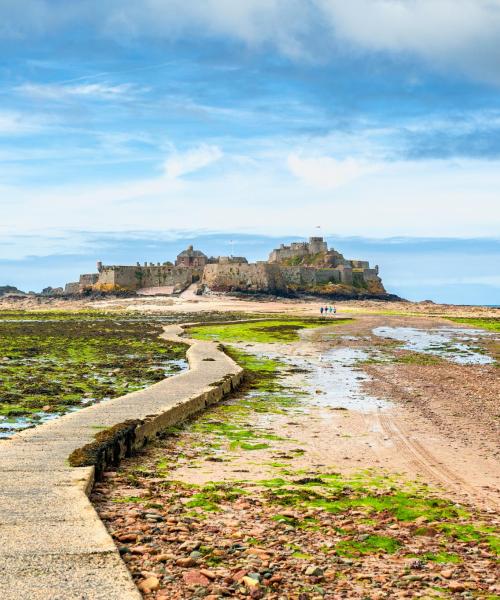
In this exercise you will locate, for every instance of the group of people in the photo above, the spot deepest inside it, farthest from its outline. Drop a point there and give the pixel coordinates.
(326, 310)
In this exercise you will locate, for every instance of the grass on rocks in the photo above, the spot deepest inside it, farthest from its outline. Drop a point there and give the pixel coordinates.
(272, 331)
(300, 534)
(492, 324)
(206, 541)
(53, 362)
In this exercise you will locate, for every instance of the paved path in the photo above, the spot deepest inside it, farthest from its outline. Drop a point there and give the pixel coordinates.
(52, 543)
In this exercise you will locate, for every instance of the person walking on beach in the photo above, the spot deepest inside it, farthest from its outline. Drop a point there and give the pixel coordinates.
(321, 311)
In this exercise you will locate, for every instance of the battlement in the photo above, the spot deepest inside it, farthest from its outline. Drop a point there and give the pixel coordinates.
(297, 250)
(299, 266)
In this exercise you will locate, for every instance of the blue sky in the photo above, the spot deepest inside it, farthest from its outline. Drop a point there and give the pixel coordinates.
(128, 125)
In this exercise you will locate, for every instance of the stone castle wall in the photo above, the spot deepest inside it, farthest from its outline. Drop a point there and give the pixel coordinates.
(313, 267)
(315, 245)
(301, 277)
(257, 277)
(138, 277)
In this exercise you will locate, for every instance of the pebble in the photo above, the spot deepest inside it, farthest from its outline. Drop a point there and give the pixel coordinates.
(139, 550)
(165, 556)
(208, 573)
(185, 562)
(456, 586)
(314, 571)
(194, 577)
(149, 585)
(250, 582)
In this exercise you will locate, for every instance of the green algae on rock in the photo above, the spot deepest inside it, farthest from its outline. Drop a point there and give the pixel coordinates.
(491, 323)
(271, 331)
(50, 365)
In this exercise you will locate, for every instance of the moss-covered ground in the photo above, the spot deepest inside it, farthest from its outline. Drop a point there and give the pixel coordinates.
(52, 362)
(272, 331)
(492, 324)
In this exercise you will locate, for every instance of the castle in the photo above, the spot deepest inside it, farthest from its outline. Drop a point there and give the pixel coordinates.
(300, 267)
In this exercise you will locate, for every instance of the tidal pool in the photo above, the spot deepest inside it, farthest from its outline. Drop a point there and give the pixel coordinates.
(60, 363)
(456, 345)
(332, 380)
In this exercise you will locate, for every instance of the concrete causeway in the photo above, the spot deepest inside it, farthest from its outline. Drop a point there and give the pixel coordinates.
(53, 546)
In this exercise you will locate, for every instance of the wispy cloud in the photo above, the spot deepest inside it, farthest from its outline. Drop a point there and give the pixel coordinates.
(327, 172)
(61, 92)
(183, 163)
(17, 123)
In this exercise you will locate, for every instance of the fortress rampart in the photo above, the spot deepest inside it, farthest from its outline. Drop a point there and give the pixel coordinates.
(301, 266)
(137, 277)
(240, 277)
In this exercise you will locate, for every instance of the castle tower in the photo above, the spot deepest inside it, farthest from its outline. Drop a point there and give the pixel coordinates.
(316, 245)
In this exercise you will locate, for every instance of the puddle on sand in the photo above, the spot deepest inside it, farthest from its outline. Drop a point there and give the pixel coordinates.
(446, 342)
(333, 381)
(340, 384)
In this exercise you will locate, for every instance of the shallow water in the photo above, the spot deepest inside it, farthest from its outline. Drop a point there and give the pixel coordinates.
(332, 379)
(11, 425)
(339, 382)
(456, 345)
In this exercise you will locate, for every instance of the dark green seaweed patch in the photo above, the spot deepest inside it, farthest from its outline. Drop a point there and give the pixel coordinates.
(60, 363)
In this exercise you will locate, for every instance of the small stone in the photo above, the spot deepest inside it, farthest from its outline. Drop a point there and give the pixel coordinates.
(456, 586)
(165, 556)
(185, 562)
(190, 545)
(195, 554)
(139, 550)
(447, 574)
(195, 577)
(250, 582)
(313, 570)
(149, 585)
(208, 573)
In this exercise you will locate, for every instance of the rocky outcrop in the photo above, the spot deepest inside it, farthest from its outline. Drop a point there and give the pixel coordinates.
(5, 290)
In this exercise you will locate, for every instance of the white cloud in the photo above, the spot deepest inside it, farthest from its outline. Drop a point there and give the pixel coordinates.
(17, 123)
(415, 198)
(183, 163)
(462, 35)
(100, 91)
(327, 172)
